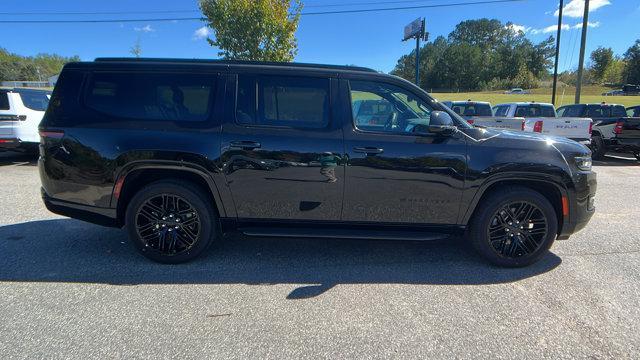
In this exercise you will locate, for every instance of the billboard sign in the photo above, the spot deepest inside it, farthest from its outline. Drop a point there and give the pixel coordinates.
(414, 29)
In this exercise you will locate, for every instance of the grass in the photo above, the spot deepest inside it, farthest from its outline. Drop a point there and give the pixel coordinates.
(590, 94)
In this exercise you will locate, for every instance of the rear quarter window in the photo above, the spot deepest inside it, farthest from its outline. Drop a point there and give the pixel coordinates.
(4, 100)
(171, 97)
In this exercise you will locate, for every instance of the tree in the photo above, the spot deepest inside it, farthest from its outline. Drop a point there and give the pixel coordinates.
(260, 30)
(21, 68)
(632, 68)
(614, 72)
(601, 59)
(136, 49)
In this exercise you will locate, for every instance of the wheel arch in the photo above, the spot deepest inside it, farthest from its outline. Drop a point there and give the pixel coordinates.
(136, 176)
(552, 191)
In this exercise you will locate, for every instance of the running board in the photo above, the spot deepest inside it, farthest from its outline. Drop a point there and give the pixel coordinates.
(343, 234)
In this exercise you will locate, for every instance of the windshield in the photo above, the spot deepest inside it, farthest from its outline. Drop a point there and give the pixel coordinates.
(34, 99)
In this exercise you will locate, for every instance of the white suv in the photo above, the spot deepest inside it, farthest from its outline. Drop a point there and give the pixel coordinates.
(20, 113)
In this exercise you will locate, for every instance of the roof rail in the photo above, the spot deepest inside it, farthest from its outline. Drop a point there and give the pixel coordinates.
(233, 62)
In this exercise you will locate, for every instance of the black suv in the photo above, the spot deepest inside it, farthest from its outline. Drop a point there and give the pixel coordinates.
(181, 151)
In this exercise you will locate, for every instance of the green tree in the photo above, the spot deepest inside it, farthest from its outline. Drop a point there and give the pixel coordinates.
(261, 30)
(614, 72)
(41, 66)
(632, 68)
(601, 59)
(136, 49)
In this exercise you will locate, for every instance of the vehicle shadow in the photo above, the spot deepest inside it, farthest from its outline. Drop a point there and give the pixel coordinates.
(71, 251)
(17, 158)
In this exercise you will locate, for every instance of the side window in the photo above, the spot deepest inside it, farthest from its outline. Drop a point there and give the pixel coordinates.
(572, 111)
(383, 107)
(502, 110)
(618, 111)
(160, 97)
(634, 112)
(283, 101)
(4, 100)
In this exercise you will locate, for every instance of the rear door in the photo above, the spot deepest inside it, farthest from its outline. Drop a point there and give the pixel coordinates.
(282, 149)
(393, 174)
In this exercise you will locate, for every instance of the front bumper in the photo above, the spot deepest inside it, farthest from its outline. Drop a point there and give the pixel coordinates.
(581, 203)
(92, 214)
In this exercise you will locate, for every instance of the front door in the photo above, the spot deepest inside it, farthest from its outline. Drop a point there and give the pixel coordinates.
(397, 173)
(282, 150)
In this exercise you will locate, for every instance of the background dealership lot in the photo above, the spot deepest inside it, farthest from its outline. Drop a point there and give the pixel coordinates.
(76, 289)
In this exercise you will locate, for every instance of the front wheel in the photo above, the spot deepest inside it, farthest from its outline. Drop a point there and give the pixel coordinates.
(514, 227)
(171, 222)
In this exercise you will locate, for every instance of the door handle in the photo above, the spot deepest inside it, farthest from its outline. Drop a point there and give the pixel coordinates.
(245, 145)
(368, 150)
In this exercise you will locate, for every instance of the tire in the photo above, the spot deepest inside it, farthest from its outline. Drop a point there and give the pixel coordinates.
(598, 149)
(524, 243)
(171, 222)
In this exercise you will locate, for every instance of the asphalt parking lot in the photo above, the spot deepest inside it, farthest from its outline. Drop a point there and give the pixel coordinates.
(75, 290)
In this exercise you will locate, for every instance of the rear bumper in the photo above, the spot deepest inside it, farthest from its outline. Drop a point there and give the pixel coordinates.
(92, 214)
(581, 203)
(9, 144)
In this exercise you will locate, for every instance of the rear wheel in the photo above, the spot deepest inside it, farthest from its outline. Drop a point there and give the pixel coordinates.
(597, 148)
(514, 227)
(171, 222)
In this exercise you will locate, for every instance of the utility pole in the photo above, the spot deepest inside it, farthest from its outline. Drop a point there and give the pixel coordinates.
(585, 25)
(555, 67)
(417, 60)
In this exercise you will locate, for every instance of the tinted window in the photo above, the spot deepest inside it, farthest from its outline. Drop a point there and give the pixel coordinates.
(283, 101)
(573, 111)
(597, 111)
(618, 111)
(560, 111)
(387, 108)
(34, 100)
(502, 110)
(535, 111)
(4, 101)
(165, 97)
(633, 112)
(470, 109)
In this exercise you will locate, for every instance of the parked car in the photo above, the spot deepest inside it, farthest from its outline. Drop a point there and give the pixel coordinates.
(20, 113)
(517, 91)
(147, 144)
(613, 129)
(613, 93)
(542, 118)
(479, 113)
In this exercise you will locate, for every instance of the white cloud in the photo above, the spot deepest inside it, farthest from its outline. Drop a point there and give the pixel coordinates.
(575, 8)
(589, 24)
(517, 28)
(550, 29)
(201, 33)
(554, 28)
(146, 28)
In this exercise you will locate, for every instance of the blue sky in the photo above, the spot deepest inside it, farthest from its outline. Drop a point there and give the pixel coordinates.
(366, 39)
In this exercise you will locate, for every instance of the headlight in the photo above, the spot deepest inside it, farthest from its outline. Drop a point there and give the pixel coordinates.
(583, 162)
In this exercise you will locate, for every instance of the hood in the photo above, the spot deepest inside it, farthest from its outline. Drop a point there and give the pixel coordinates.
(522, 139)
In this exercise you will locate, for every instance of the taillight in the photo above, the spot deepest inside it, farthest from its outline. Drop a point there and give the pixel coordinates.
(619, 127)
(590, 127)
(51, 134)
(537, 127)
(522, 126)
(470, 121)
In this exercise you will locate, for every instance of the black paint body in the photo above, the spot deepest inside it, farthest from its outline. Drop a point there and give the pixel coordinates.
(426, 181)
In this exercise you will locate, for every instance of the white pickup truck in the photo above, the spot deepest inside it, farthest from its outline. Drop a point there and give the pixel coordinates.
(542, 118)
(479, 113)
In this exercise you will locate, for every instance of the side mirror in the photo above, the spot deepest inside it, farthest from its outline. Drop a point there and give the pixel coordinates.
(441, 123)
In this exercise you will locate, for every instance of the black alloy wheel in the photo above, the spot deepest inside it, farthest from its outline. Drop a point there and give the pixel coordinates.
(517, 229)
(168, 224)
(172, 221)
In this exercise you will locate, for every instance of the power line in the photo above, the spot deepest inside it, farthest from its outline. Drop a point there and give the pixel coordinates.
(303, 13)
